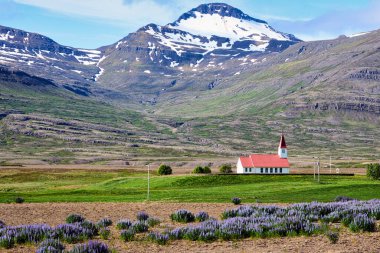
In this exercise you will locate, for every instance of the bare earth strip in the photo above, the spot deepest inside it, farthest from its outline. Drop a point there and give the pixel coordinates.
(55, 213)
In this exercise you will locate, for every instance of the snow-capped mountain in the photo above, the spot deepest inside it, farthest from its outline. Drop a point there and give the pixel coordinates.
(41, 56)
(210, 41)
(211, 27)
(213, 21)
(206, 40)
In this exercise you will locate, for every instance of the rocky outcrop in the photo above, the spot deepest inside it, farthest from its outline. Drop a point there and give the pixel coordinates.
(367, 74)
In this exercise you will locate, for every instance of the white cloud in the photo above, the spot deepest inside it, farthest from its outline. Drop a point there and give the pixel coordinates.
(335, 23)
(129, 14)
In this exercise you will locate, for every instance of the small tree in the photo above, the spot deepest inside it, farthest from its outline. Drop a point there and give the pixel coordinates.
(206, 170)
(225, 168)
(198, 170)
(164, 170)
(202, 170)
(373, 171)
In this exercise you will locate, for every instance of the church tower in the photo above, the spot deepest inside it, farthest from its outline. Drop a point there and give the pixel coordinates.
(282, 150)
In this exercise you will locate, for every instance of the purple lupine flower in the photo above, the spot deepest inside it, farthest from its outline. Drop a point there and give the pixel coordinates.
(202, 216)
(91, 247)
(123, 224)
(142, 216)
(158, 238)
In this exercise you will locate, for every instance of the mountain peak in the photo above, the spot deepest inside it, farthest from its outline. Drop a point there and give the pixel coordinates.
(220, 9)
(225, 21)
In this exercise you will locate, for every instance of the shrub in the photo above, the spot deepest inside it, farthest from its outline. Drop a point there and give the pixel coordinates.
(142, 216)
(50, 246)
(158, 238)
(140, 226)
(347, 219)
(343, 198)
(6, 241)
(202, 170)
(236, 201)
(225, 168)
(164, 170)
(207, 236)
(91, 227)
(29, 233)
(176, 234)
(48, 249)
(105, 222)
(124, 224)
(183, 216)
(153, 222)
(201, 216)
(206, 170)
(333, 236)
(373, 171)
(127, 235)
(73, 233)
(91, 247)
(198, 170)
(104, 233)
(19, 200)
(73, 218)
(361, 222)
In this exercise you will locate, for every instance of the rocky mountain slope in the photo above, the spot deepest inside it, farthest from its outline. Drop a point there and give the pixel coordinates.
(334, 75)
(227, 89)
(164, 58)
(41, 56)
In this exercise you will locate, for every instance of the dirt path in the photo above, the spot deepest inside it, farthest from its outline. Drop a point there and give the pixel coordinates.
(55, 213)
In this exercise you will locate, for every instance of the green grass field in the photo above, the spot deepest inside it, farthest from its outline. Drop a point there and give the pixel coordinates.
(129, 186)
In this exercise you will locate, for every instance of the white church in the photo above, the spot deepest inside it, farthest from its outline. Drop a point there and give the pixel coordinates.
(265, 163)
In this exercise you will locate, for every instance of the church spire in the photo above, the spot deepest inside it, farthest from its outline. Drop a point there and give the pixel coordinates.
(282, 149)
(282, 141)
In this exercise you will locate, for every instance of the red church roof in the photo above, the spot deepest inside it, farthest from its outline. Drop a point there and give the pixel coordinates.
(246, 161)
(264, 161)
(282, 142)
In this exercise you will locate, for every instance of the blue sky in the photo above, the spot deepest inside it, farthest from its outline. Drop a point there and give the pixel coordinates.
(94, 23)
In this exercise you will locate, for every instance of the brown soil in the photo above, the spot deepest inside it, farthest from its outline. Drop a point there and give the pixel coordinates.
(55, 213)
(177, 170)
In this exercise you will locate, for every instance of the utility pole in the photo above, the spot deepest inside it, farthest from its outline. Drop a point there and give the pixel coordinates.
(148, 182)
(330, 164)
(314, 165)
(319, 169)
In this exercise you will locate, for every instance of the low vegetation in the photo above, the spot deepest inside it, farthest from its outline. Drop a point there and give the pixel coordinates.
(259, 221)
(202, 170)
(373, 171)
(164, 170)
(332, 236)
(201, 216)
(19, 200)
(131, 186)
(183, 216)
(225, 168)
(236, 201)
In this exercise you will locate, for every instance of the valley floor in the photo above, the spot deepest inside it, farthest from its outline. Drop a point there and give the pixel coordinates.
(118, 184)
(55, 213)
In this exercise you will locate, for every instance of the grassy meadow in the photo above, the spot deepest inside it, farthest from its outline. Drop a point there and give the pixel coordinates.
(131, 186)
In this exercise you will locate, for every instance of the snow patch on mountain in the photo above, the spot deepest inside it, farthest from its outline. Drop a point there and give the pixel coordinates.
(91, 57)
(228, 27)
(357, 34)
(215, 27)
(6, 36)
(101, 72)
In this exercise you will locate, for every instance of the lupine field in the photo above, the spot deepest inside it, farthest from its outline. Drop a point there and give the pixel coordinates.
(79, 235)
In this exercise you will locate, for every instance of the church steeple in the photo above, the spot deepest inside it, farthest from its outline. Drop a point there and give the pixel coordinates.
(282, 149)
